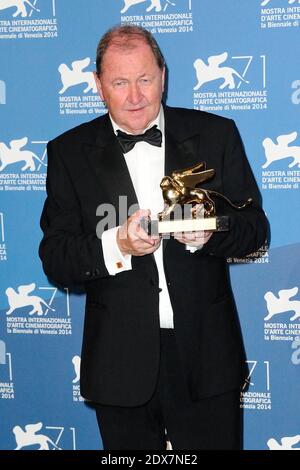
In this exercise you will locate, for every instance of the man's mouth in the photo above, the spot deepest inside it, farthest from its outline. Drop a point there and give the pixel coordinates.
(135, 110)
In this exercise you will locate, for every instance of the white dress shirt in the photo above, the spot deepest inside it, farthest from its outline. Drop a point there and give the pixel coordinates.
(146, 164)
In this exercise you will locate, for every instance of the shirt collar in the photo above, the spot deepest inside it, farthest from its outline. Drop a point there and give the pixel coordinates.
(159, 121)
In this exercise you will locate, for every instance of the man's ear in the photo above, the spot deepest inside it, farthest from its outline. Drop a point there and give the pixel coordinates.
(98, 85)
(163, 78)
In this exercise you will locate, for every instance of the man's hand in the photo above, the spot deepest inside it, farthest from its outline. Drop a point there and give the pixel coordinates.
(133, 240)
(196, 239)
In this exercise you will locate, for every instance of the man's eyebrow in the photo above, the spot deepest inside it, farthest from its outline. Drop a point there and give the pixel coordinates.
(118, 78)
(146, 75)
(124, 78)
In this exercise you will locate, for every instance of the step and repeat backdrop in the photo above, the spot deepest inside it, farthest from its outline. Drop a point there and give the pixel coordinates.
(236, 58)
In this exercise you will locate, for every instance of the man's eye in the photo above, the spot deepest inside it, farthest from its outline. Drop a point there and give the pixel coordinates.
(119, 84)
(145, 81)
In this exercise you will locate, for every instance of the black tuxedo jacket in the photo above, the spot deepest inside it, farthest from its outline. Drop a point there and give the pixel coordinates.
(121, 340)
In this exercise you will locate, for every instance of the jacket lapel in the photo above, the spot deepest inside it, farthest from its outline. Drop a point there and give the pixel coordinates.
(108, 163)
(181, 145)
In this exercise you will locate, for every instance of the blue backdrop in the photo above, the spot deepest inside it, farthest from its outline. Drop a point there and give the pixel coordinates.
(236, 58)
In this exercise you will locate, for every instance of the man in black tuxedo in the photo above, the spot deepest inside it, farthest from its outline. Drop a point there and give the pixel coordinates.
(162, 347)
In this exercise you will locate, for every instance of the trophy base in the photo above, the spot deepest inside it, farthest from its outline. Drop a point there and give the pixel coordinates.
(156, 227)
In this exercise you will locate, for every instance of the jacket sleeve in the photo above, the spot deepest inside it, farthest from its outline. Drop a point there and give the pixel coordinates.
(248, 227)
(70, 254)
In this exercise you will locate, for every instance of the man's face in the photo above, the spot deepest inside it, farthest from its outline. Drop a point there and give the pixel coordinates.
(131, 84)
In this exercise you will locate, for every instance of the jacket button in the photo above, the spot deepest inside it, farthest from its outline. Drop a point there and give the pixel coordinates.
(88, 273)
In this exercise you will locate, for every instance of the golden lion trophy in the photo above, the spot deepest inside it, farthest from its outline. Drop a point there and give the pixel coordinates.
(180, 193)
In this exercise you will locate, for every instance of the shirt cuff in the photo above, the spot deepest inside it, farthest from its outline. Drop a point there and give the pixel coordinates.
(115, 261)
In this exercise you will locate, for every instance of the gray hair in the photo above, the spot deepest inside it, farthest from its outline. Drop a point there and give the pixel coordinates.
(122, 36)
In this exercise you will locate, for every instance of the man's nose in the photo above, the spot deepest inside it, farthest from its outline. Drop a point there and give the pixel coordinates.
(134, 94)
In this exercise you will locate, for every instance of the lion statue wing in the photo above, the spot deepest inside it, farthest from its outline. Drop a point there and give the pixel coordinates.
(26, 289)
(33, 428)
(288, 293)
(17, 144)
(287, 139)
(191, 181)
(80, 64)
(216, 60)
(191, 176)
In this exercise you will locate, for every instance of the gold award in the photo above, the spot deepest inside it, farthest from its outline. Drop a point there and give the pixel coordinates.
(180, 192)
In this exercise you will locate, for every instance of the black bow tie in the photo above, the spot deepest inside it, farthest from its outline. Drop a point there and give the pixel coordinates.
(152, 136)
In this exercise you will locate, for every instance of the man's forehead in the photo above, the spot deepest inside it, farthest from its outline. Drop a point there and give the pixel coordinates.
(127, 46)
(139, 51)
